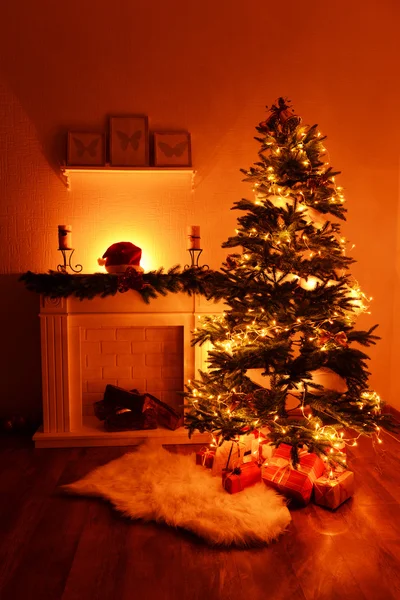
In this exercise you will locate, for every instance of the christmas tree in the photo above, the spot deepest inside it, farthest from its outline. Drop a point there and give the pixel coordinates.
(285, 353)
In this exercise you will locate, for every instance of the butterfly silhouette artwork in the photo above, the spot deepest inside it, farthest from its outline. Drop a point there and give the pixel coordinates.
(129, 141)
(85, 149)
(172, 149)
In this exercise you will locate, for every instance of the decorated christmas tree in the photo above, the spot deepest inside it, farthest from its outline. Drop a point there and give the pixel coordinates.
(286, 353)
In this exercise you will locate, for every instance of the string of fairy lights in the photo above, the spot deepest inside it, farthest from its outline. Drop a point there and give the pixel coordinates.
(233, 337)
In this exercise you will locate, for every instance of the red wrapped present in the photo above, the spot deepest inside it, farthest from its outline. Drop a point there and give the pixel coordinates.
(334, 489)
(310, 463)
(205, 457)
(297, 484)
(241, 477)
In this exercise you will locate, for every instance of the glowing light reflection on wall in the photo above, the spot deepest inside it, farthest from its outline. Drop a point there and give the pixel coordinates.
(119, 235)
(148, 208)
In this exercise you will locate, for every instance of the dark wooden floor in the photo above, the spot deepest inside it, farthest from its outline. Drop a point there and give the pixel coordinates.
(60, 547)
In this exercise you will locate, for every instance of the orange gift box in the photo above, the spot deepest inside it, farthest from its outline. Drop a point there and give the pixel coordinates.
(331, 492)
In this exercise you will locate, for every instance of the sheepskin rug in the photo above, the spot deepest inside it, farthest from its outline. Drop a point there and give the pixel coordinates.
(155, 485)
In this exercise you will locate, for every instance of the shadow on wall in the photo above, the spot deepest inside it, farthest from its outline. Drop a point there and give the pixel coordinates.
(20, 365)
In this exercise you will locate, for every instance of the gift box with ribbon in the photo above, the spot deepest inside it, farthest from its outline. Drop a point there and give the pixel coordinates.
(256, 445)
(249, 445)
(241, 477)
(205, 457)
(334, 489)
(297, 484)
(227, 454)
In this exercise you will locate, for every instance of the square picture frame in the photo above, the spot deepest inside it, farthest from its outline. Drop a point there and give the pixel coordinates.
(85, 149)
(172, 149)
(129, 141)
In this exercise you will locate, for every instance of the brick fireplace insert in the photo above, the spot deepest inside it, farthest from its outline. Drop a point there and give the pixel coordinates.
(86, 344)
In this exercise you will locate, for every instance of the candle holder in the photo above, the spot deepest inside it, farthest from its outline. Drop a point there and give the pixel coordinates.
(67, 256)
(194, 256)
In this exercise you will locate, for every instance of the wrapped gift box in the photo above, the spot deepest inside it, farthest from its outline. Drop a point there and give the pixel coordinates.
(297, 484)
(256, 445)
(126, 419)
(166, 415)
(249, 446)
(331, 492)
(241, 477)
(139, 411)
(227, 454)
(205, 457)
(116, 399)
(266, 450)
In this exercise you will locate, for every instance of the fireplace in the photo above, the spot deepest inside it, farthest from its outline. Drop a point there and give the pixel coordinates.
(121, 340)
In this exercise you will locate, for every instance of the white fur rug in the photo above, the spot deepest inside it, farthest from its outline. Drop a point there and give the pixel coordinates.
(154, 485)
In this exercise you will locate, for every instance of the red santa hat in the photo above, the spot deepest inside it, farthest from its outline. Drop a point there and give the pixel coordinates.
(121, 254)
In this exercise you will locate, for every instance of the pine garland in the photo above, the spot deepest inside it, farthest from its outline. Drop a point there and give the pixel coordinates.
(149, 285)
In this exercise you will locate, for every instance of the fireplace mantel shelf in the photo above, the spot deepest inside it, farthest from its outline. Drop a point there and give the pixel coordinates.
(67, 171)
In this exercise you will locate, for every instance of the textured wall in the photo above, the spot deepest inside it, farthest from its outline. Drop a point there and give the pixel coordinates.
(208, 67)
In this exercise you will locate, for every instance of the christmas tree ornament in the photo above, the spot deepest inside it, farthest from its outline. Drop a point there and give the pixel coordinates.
(121, 255)
(325, 337)
(289, 120)
(270, 122)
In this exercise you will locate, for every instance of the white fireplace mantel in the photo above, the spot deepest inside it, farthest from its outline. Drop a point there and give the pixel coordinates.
(64, 322)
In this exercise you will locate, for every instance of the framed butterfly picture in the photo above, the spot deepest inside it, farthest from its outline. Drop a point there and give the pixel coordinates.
(86, 149)
(129, 141)
(172, 149)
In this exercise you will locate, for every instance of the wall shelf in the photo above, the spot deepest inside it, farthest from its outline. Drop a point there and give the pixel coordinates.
(67, 171)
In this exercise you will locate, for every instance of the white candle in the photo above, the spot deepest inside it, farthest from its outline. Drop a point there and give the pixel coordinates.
(64, 237)
(193, 232)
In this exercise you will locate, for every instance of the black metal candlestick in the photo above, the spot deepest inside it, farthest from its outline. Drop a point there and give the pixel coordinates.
(67, 256)
(194, 256)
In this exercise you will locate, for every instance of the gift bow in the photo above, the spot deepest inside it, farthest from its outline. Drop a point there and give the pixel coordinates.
(339, 338)
(284, 465)
(239, 446)
(331, 477)
(206, 452)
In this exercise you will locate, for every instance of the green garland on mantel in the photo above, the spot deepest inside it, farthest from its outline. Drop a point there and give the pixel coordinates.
(149, 285)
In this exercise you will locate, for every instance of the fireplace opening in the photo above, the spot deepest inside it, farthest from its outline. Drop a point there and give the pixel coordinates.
(149, 359)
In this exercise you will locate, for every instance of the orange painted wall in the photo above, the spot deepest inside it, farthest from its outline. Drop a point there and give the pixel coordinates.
(208, 67)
